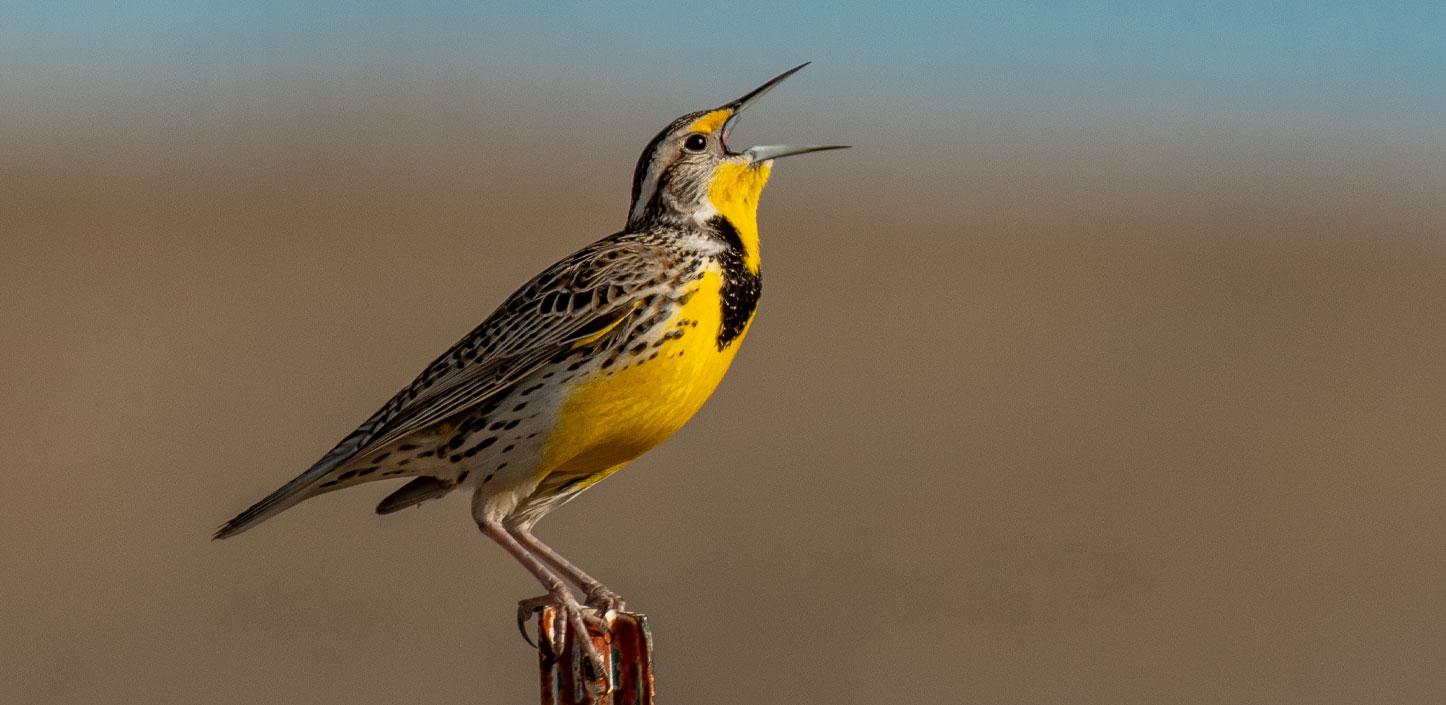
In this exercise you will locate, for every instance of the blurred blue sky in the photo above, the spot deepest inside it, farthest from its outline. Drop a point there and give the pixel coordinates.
(1337, 60)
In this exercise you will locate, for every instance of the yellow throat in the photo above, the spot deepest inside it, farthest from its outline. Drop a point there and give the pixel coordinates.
(734, 194)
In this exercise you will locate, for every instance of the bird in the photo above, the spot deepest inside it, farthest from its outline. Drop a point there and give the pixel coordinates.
(590, 364)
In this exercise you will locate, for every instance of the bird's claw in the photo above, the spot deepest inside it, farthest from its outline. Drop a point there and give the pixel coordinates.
(526, 609)
(577, 618)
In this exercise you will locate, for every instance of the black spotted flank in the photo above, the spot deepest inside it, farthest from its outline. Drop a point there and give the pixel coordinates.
(741, 288)
(359, 472)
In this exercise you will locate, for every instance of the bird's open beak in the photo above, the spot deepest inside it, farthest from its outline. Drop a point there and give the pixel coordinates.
(763, 153)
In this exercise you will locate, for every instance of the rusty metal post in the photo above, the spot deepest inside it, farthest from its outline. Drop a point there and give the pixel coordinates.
(627, 651)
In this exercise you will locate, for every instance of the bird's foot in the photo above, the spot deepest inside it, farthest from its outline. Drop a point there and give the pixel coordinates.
(571, 616)
(604, 600)
(592, 613)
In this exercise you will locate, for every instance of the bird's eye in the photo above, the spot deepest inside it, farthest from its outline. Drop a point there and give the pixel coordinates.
(695, 143)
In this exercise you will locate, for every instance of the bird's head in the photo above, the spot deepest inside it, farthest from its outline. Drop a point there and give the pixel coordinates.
(689, 171)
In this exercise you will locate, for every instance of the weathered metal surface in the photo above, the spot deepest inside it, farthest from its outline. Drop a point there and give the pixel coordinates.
(626, 648)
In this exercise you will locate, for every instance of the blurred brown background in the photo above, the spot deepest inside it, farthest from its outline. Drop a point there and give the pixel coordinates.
(1045, 403)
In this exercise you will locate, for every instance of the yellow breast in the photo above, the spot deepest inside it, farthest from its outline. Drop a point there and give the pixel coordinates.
(616, 415)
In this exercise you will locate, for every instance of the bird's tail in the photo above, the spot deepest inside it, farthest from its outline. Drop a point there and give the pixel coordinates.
(308, 484)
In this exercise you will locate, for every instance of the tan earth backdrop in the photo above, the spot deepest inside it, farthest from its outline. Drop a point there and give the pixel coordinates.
(1042, 405)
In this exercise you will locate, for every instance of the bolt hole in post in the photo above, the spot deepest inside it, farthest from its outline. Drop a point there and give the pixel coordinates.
(627, 649)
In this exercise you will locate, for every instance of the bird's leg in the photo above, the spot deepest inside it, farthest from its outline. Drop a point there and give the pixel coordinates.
(558, 592)
(598, 596)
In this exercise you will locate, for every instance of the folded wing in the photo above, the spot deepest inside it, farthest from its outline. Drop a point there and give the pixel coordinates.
(581, 300)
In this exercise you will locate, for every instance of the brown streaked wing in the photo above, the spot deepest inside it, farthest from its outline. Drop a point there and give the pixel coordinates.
(529, 329)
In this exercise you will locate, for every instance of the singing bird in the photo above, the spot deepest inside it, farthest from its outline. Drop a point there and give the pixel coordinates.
(593, 362)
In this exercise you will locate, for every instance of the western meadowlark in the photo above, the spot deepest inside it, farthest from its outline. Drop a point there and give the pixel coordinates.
(592, 363)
